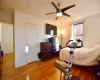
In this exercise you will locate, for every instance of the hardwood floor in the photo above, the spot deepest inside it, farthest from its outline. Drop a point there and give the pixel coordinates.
(41, 71)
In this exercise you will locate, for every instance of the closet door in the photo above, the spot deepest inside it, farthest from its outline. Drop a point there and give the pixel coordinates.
(31, 41)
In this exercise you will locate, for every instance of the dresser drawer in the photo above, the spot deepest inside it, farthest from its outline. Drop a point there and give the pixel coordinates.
(45, 46)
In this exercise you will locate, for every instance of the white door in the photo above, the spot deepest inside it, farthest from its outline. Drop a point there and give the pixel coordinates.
(31, 41)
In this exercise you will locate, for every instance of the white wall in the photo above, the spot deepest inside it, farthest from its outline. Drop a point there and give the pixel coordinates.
(64, 28)
(91, 30)
(7, 37)
(19, 28)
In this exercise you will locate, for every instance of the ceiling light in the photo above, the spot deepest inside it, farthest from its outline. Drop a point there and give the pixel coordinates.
(59, 14)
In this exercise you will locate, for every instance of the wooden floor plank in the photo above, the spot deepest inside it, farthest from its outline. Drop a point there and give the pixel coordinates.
(39, 70)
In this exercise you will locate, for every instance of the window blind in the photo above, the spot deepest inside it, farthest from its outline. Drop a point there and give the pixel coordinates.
(78, 31)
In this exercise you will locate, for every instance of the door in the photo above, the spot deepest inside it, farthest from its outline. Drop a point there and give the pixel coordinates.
(31, 41)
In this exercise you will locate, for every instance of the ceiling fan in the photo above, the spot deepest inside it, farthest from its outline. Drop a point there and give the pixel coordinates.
(59, 11)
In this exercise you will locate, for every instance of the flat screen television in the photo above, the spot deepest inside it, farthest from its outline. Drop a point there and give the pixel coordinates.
(51, 29)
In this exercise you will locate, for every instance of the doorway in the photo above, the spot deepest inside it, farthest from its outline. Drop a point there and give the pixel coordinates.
(7, 45)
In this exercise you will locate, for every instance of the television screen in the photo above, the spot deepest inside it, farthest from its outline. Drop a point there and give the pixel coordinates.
(51, 29)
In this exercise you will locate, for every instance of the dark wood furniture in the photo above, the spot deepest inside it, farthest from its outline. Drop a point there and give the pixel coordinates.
(49, 49)
(45, 51)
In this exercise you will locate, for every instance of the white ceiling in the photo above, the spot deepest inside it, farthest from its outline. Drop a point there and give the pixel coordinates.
(38, 8)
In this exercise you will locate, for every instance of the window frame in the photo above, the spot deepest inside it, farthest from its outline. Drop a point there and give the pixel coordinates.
(73, 35)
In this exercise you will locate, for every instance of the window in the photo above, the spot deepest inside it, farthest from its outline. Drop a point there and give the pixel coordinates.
(77, 31)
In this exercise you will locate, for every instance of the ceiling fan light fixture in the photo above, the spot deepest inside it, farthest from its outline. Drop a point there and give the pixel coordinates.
(60, 11)
(59, 14)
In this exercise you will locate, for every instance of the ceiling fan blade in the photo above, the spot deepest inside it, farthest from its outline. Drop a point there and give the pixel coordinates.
(66, 8)
(65, 14)
(59, 4)
(50, 13)
(55, 6)
(56, 17)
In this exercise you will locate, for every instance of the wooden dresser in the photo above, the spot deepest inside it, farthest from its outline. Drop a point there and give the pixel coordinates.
(45, 50)
(49, 49)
